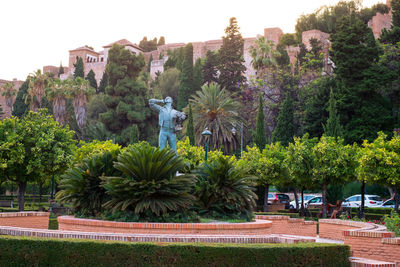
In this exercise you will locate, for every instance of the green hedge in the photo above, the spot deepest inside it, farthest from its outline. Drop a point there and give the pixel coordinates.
(382, 211)
(291, 215)
(17, 251)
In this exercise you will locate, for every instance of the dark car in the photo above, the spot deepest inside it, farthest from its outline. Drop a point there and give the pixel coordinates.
(284, 199)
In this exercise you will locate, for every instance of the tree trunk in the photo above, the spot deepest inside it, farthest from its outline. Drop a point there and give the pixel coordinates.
(302, 202)
(266, 197)
(21, 195)
(40, 192)
(396, 199)
(362, 199)
(324, 201)
(296, 199)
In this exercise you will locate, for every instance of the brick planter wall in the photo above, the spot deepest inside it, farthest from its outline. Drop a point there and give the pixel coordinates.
(39, 220)
(69, 223)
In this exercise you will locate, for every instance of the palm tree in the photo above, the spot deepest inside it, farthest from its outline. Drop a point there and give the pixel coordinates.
(57, 92)
(81, 89)
(36, 89)
(8, 91)
(263, 54)
(214, 109)
(149, 183)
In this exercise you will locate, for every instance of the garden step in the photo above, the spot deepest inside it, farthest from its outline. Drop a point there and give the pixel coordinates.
(362, 262)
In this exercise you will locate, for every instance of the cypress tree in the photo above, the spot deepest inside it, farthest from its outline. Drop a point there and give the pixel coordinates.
(60, 70)
(260, 137)
(149, 64)
(186, 77)
(210, 71)
(103, 84)
(79, 68)
(92, 79)
(332, 126)
(197, 75)
(284, 130)
(19, 107)
(190, 127)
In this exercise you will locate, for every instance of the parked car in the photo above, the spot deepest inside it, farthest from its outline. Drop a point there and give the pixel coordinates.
(284, 199)
(388, 203)
(272, 198)
(292, 204)
(369, 201)
(314, 202)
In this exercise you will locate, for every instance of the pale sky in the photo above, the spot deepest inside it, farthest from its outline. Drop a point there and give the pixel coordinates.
(35, 33)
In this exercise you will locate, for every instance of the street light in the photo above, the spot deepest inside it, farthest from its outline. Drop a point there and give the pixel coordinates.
(241, 136)
(206, 134)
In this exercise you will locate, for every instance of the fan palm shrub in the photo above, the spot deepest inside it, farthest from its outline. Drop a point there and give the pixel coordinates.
(223, 190)
(149, 185)
(81, 184)
(214, 108)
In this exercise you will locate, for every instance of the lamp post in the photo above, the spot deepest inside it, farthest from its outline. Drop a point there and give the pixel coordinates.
(206, 133)
(241, 137)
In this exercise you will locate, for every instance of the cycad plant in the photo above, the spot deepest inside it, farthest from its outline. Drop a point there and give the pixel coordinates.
(213, 108)
(149, 184)
(81, 184)
(224, 190)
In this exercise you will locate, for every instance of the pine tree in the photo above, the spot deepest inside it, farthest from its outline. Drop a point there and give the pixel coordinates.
(197, 75)
(190, 127)
(149, 64)
(60, 70)
(125, 98)
(231, 60)
(79, 68)
(92, 79)
(103, 84)
(284, 130)
(19, 107)
(260, 137)
(186, 77)
(332, 126)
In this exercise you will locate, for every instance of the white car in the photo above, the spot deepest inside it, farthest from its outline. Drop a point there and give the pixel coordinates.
(314, 202)
(371, 201)
(306, 198)
(388, 204)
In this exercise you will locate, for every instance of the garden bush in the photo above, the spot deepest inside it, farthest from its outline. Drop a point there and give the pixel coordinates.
(17, 251)
(392, 222)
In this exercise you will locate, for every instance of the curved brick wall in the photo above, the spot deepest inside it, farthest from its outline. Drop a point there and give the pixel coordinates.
(69, 223)
(39, 220)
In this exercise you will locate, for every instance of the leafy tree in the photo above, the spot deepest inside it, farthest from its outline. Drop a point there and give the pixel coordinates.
(214, 109)
(395, 4)
(168, 84)
(230, 59)
(334, 164)
(332, 126)
(125, 95)
(210, 71)
(148, 45)
(186, 88)
(149, 183)
(19, 107)
(260, 138)
(223, 189)
(379, 162)
(190, 127)
(363, 111)
(299, 162)
(79, 68)
(91, 77)
(60, 70)
(175, 59)
(35, 148)
(103, 84)
(285, 130)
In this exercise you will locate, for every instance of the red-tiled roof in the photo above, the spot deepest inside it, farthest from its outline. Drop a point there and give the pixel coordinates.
(124, 42)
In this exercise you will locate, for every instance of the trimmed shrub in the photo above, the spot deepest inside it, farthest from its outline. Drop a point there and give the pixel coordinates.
(17, 251)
